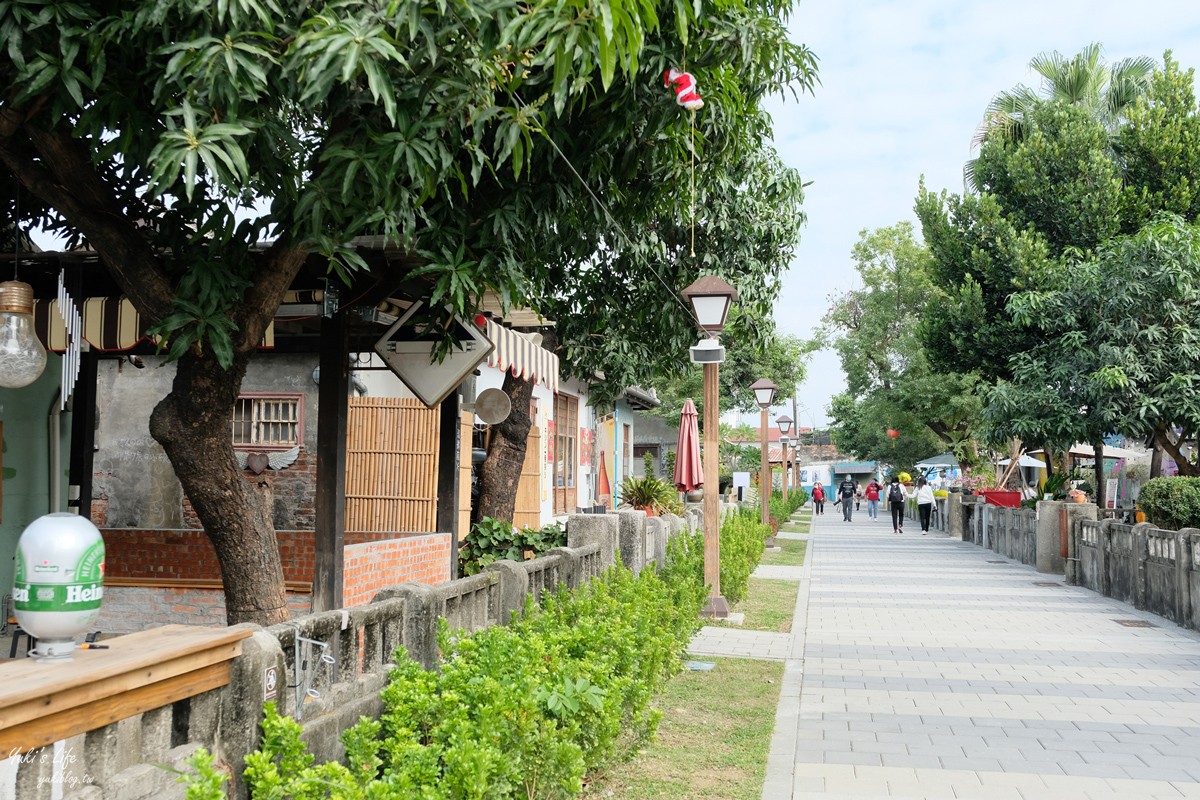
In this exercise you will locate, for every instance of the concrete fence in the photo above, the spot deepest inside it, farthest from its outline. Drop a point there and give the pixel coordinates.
(325, 669)
(1152, 569)
(1149, 568)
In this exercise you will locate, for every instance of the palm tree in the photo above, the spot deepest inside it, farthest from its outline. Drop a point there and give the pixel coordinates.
(1105, 91)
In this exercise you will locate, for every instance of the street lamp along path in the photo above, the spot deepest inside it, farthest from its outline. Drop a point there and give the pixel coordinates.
(784, 423)
(710, 298)
(764, 393)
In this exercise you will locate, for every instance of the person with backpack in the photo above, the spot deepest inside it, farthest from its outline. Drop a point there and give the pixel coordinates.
(896, 496)
(845, 492)
(874, 488)
(818, 498)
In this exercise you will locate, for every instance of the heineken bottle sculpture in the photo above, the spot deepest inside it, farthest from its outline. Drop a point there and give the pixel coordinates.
(59, 582)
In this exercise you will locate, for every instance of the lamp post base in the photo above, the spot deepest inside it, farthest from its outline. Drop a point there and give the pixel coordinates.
(717, 608)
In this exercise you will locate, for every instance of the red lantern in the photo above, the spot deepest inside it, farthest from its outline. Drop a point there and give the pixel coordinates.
(893, 433)
(480, 320)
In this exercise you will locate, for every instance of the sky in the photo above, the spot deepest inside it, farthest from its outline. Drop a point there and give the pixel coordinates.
(903, 85)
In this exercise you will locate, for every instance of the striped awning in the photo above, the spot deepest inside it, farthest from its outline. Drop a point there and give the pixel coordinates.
(110, 324)
(526, 359)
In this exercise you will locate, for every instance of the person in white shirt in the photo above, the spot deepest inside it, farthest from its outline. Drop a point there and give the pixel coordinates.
(924, 503)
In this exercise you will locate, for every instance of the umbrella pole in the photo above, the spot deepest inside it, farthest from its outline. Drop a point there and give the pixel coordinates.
(717, 605)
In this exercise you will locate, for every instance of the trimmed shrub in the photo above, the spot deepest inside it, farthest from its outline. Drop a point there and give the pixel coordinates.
(516, 711)
(1172, 503)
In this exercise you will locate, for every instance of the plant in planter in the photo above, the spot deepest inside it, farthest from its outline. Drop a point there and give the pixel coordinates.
(649, 494)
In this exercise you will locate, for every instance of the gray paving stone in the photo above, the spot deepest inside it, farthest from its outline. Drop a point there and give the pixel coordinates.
(922, 671)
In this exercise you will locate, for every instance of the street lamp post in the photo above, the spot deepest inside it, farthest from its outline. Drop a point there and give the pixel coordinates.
(710, 298)
(764, 393)
(784, 424)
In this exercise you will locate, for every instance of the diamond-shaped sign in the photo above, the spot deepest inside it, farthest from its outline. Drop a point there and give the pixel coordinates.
(407, 348)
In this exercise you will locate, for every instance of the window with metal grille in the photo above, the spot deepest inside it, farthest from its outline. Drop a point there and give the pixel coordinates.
(268, 421)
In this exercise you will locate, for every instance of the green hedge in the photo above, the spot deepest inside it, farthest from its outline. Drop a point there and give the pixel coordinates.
(517, 711)
(781, 510)
(1171, 503)
(742, 541)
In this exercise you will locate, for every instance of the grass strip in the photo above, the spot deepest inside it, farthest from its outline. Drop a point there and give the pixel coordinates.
(768, 605)
(713, 740)
(791, 553)
(801, 526)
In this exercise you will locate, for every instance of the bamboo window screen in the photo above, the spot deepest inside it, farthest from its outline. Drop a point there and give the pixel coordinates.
(391, 465)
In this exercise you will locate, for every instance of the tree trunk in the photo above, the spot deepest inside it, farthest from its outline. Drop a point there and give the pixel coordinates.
(1101, 486)
(1184, 465)
(500, 473)
(193, 424)
(1156, 458)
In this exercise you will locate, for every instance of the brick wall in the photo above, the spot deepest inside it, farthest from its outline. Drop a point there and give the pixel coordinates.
(127, 609)
(186, 554)
(189, 555)
(371, 566)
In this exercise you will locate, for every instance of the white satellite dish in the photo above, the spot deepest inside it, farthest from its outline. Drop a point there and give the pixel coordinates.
(492, 406)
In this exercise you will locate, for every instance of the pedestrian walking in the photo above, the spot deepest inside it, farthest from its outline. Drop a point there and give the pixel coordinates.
(924, 503)
(845, 492)
(873, 490)
(818, 496)
(896, 496)
(858, 496)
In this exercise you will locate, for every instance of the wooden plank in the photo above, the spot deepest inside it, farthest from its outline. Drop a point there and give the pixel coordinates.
(466, 437)
(330, 520)
(446, 471)
(147, 655)
(50, 728)
(302, 587)
(527, 513)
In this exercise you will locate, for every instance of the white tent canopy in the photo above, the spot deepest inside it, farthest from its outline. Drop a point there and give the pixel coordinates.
(945, 460)
(1024, 461)
(1080, 450)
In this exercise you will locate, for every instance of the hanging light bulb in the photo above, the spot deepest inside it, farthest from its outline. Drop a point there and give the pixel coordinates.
(22, 357)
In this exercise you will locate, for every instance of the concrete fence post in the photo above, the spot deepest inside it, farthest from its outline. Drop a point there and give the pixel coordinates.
(584, 529)
(656, 542)
(1049, 550)
(569, 566)
(419, 635)
(241, 711)
(632, 533)
(514, 588)
(1140, 556)
(955, 516)
(1103, 537)
(1183, 576)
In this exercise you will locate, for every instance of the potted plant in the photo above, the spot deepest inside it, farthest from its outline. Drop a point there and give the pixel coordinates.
(649, 494)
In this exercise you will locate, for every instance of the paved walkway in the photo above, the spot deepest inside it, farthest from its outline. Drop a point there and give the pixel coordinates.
(922, 667)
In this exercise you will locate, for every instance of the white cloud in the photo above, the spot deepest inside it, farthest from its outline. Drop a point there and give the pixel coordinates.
(903, 85)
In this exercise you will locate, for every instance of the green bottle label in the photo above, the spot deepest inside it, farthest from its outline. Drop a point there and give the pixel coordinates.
(57, 596)
(83, 594)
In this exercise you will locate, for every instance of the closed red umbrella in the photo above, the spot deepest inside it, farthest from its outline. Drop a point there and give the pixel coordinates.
(689, 473)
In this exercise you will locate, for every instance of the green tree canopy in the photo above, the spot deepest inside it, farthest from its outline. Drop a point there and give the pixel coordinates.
(876, 332)
(146, 129)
